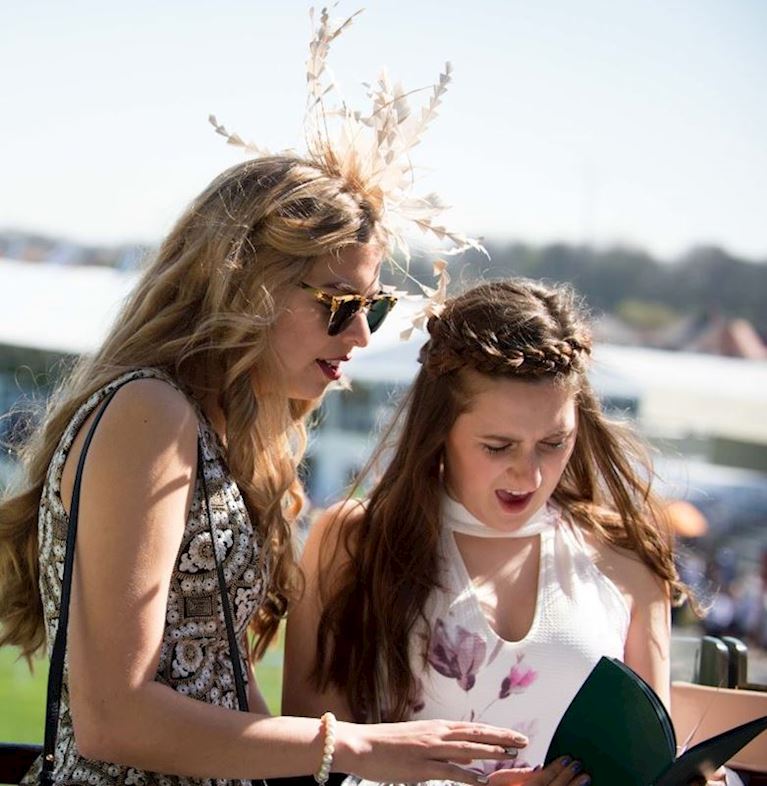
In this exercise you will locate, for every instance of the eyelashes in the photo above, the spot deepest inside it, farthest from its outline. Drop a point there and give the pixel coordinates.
(496, 450)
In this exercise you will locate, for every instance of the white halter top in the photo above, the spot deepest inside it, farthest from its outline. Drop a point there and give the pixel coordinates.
(473, 674)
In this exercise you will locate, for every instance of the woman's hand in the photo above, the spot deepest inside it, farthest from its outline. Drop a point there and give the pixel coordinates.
(562, 772)
(718, 778)
(424, 750)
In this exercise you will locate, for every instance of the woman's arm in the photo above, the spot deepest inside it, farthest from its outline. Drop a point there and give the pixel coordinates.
(136, 490)
(137, 486)
(648, 644)
(256, 700)
(648, 641)
(321, 556)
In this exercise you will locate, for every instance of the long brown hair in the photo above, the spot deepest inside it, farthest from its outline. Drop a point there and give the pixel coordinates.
(202, 312)
(516, 329)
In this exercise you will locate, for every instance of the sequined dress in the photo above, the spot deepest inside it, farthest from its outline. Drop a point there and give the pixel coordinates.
(194, 656)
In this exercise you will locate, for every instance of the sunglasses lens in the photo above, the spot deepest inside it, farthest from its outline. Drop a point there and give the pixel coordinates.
(348, 309)
(342, 316)
(377, 313)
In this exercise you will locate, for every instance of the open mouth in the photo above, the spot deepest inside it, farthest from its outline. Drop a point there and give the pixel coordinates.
(331, 368)
(511, 501)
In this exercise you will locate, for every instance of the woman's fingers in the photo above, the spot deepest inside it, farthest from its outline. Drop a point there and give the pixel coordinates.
(562, 772)
(469, 751)
(452, 772)
(718, 778)
(480, 732)
(426, 750)
(465, 742)
(514, 777)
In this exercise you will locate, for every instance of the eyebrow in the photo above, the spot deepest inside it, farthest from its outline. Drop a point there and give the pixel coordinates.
(346, 287)
(565, 432)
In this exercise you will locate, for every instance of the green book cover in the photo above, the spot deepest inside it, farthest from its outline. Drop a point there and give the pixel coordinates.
(619, 729)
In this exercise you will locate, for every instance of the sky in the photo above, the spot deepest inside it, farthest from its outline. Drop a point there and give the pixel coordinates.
(596, 121)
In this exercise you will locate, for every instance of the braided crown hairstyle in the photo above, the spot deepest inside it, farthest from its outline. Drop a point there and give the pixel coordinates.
(517, 328)
(514, 329)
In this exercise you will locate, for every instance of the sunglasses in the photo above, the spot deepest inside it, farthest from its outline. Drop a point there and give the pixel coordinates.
(343, 308)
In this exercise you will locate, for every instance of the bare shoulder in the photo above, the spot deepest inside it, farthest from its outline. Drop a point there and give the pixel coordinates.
(148, 413)
(151, 400)
(636, 581)
(148, 423)
(325, 546)
(340, 517)
(330, 527)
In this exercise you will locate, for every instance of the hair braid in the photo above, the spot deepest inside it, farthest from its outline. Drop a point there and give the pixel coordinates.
(529, 344)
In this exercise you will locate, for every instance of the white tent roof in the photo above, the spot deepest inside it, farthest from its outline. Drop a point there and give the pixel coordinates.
(632, 369)
(69, 309)
(678, 392)
(60, 308)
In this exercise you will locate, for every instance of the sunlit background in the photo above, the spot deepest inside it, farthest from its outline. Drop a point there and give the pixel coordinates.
(616, 145)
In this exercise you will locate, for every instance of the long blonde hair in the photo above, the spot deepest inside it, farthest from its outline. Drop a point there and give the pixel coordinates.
(202, 312)
(514, 329)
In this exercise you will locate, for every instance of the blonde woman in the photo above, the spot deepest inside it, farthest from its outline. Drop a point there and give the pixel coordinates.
(265, 287)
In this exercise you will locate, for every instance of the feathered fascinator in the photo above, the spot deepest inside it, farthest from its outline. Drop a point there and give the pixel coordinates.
(371, 151)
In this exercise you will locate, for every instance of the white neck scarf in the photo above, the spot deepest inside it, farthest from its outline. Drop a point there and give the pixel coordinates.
(458, 519)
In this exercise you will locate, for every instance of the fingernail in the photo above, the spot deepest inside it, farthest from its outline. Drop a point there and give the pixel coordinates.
(585, 782)
(565, 760)
(576, 766)
(511, 752)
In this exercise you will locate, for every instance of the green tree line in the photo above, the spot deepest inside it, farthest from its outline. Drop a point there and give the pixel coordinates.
(706, 281)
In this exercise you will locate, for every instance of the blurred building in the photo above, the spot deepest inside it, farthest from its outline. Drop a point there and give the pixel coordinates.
(734, 338)
(49, 314)
(706, 408)
(710, 334)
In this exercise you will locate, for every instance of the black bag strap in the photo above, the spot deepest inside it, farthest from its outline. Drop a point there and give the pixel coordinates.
(56, 672)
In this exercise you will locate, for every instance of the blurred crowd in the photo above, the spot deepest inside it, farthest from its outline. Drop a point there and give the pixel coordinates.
(732, 594)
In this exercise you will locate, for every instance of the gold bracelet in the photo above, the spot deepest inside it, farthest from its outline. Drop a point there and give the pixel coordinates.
(328, 727)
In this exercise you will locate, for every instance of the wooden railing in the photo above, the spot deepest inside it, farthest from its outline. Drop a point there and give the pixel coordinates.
(719, 698)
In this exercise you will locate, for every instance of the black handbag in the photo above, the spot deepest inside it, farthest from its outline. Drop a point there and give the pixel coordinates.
(17, 758)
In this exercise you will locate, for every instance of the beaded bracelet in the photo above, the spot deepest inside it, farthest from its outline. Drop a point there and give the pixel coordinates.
(328, 725)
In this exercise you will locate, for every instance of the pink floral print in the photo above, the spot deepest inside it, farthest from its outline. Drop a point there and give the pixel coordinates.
(518, 679)
(459, 656)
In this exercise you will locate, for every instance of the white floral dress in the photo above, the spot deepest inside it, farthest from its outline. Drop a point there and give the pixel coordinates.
(194, 658)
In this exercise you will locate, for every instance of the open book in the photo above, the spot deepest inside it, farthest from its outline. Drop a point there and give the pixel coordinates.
(619, 729)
